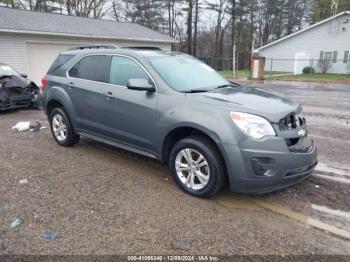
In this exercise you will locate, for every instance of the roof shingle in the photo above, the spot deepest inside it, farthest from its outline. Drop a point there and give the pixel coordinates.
(22, 20)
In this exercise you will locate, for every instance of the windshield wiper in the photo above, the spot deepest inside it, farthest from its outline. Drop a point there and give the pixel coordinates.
(226, 85)
(196, 91)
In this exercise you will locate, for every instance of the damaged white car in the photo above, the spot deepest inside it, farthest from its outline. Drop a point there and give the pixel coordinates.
(16, 91)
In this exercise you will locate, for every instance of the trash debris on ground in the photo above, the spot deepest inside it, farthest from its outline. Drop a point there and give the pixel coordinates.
(23, 181)
(317, 186)
(21, 126)
(184, 244)
(35, 127)
(28, 126)
(49, 234)
(16, 222)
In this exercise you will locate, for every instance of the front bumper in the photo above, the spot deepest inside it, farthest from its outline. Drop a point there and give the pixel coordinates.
(23, 101)
(258, 167)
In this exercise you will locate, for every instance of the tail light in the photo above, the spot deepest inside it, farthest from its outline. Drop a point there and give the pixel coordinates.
(43, 83)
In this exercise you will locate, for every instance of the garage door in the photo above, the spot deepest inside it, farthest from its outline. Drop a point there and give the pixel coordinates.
(40, 58)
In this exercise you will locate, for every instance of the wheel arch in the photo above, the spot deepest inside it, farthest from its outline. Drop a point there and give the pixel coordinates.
(181, 132)
(52, 104)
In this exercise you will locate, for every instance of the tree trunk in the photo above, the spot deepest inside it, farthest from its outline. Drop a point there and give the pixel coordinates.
(195, 28)
(233, 28)
(189, 27)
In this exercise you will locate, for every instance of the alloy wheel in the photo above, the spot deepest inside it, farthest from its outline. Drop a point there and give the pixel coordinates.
(192, 168)
(59, 128)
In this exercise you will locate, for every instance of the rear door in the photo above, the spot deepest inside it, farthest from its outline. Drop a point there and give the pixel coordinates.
(87, 88)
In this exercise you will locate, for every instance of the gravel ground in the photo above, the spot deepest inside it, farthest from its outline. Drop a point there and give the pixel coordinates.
(100, 200)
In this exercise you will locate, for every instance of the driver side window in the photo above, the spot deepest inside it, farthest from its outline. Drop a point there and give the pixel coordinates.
(123, 69)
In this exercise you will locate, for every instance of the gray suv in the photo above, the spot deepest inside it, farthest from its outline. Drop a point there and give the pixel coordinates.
(171, 107)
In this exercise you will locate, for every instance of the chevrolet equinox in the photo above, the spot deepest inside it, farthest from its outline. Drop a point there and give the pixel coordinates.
(172, 107)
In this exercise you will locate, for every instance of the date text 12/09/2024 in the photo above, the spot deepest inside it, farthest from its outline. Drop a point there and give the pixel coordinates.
(173, 258)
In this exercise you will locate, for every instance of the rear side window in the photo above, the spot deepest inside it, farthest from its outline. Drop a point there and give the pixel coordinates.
(94, 68)
(123, 69)
(58, 63)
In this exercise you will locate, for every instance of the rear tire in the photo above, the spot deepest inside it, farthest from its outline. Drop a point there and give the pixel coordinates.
(61, 128)
(204, 174)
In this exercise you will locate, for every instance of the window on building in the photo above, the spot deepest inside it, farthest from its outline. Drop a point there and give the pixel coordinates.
(346, 57)
(329, 55)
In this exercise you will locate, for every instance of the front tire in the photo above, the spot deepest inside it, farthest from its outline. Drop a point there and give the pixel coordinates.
(62, 129)
(197, 167)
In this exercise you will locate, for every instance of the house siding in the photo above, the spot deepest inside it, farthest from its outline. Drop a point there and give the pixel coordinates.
(330, 36)
(13, 47)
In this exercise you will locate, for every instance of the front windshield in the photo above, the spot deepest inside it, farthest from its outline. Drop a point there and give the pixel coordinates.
(7, 71)
(186, 74)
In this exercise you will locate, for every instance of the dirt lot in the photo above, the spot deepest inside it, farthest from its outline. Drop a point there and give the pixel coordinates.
(100, 200)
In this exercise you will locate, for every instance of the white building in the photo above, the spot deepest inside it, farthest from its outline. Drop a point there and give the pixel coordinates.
(30, 41)
(327, 40)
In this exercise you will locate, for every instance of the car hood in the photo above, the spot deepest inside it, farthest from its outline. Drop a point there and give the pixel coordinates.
(249, 100)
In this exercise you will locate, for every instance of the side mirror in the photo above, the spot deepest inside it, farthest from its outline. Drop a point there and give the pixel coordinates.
(141, 85)
(24, 75)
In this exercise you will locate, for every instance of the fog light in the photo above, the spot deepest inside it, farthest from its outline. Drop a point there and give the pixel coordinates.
(263, 166)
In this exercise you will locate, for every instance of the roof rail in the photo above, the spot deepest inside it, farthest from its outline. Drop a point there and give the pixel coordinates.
(101, 46)
(143, 47)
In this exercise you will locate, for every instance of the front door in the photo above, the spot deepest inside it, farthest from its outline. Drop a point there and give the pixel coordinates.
(128, 115)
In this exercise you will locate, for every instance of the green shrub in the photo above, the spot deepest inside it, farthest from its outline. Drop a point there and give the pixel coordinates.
(308, 70)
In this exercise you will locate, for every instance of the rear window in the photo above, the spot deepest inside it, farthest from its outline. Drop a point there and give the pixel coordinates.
(94, 68)
(59, 62)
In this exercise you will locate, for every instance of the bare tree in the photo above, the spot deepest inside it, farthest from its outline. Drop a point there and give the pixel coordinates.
(189, 26)
(195, 36)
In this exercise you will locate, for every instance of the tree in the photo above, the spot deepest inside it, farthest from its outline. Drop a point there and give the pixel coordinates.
(220, 9)
(233, 26)
(189, 26)
(321, 9)
(196, 14)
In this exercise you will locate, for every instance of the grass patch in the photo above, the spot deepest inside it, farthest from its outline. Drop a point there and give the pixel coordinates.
(246, 73)
(323, 78)
(239, 73)
(287, 76)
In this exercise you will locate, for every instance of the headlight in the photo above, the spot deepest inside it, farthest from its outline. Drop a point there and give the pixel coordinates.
(254, 126)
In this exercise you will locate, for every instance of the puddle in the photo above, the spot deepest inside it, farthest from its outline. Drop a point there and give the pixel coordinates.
(236, 201)
(341, 175)
(332, 170)
(248, 203)
(333, 178)
(333, 212)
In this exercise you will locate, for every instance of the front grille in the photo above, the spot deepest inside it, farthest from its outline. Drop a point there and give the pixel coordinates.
(292, 121)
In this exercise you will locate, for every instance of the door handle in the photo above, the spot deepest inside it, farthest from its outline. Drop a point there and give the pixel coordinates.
(109, 95)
